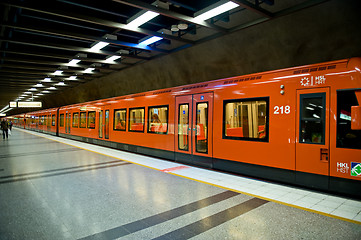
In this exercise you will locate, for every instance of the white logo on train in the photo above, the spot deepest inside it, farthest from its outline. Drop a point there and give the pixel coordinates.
(313, 81)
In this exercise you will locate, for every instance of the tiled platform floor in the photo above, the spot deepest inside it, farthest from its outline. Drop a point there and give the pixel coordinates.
(55, 188)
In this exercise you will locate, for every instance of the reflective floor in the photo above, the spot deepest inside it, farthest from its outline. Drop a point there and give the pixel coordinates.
(54, 188)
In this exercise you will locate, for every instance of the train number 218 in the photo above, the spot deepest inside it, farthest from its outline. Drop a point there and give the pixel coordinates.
(282, 109)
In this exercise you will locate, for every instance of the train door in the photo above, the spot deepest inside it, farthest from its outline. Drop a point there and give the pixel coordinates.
(312, 133)
(104, 116)
(194, 129)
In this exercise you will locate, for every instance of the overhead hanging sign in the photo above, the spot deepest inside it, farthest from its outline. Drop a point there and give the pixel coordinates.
(26, 104)
(13, 104)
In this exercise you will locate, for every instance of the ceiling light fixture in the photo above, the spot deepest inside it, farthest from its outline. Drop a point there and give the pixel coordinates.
(72, 78)
(141, 19)
(52, 88)
(112, 59)
(174, 28)
(89, 70)
(98, 46)
(45, 91)
(58, 72)
(46, 80)
(216, 11)
(32, 89)
(39, 85)
(149, 41)
(182, 26)
(60, 84)
(74, 62)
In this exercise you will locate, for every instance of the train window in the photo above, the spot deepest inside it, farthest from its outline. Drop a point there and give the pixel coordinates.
(158, 119)
(75, 120)
(136, 119)
(246, 119)
(91, 119)
(82, 119)
(49, 121)
(61, 120)
(120, 119)
(202, 128)
(106, 125)
(101, 124)
(346, 137)
(183, 126)
(53, 120)
(312, 118)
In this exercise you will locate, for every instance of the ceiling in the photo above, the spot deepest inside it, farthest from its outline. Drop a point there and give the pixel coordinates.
(39, 37)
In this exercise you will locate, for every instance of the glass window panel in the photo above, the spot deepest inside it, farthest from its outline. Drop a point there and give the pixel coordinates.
(68, 122)
(120, 118)
(202, 128)
(61, 119)
(312, 125)
(75, 120)
(246, 119)
(83, 119)
(53, 120)
(91, 120)
(346, 137)
(106, 127)
(136, 119)
(183, 126)
(101, 124)
(158, 119)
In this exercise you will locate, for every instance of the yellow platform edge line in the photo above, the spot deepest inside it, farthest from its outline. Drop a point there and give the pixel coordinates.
(197, 180)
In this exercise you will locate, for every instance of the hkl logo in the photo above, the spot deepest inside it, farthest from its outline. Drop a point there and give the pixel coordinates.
(312, 81)
(342, 167)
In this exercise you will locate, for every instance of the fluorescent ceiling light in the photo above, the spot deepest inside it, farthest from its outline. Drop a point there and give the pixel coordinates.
(52, 88)
(60, 84)
(39, 85)
(145, 17)
(58, 72)
(74, 62)
(27, 92)
(72, 78)
(112, 59)
(45, 91)
(216, 11)
(150, 41)
(46, 80)
(98, 46)
(39, 94)
(89, 70)
(32, 89)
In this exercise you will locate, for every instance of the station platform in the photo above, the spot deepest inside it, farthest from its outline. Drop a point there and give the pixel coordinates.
(56, 188)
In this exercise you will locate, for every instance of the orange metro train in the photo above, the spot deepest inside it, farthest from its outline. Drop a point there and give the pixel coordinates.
(299, 125)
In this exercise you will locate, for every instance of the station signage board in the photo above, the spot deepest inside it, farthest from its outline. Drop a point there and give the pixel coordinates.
(13, 104)
(25, 104)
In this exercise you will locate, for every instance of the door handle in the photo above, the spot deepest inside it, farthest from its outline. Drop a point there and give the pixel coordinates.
(324, 152)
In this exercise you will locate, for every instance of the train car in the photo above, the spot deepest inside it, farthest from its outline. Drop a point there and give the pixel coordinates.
(298, 125)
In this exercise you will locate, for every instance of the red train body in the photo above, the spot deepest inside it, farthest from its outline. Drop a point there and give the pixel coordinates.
(299, 125)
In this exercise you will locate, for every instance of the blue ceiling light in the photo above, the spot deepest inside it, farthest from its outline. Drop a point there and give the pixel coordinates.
(149, 41)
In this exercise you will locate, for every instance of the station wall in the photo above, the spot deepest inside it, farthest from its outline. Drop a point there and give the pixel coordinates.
(328, 31)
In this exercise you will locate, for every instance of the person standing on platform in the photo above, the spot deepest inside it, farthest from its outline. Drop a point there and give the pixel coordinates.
(10, 125)
(4, 127)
